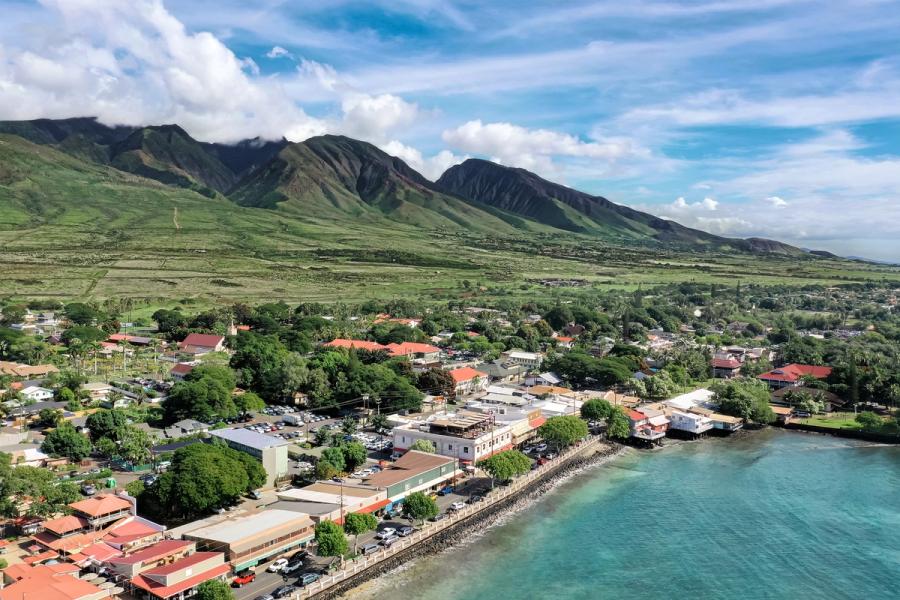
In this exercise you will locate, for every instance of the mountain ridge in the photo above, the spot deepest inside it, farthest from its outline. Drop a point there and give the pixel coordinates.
(342, 179)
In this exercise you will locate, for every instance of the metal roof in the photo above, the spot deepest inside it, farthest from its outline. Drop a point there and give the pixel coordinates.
(251, 439)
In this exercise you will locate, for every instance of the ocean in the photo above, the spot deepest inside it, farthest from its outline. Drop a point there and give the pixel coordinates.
(770, 514)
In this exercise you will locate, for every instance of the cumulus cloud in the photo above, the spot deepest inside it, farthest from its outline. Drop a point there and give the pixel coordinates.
(534, 149)
(431, 167)
(278, 52)
(371, 117)
(777, 201)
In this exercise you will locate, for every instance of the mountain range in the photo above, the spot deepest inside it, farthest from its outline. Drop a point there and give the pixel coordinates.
(345, 180)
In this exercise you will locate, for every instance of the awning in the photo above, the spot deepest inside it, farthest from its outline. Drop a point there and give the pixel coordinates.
(373, 507)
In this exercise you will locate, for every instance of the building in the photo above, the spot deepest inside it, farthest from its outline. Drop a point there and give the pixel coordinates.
(48, 582)
(691, 423)
(648, 425)
(250, 540)
(186, 427)
(415, 350)
(792, 375)
(152, 556)
(501, 372)
(412, 472)
(13, 369)
(180, 370)
(466, 436)
(355, 344)
(202, 343)
(35, 393)
(97, 390)
(725, 368)
(271, 451)
(179, 579)
(70, 534)
(467, 381)
(530, 360)
(332, 500)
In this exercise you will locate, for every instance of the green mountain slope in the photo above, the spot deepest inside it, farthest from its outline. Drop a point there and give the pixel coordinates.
(344, 178)
(524, 193)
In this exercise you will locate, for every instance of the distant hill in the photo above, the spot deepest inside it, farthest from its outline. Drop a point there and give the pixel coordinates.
(524, 193)
(345, 180)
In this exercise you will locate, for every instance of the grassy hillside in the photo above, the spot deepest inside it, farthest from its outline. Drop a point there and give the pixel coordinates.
(74, 229)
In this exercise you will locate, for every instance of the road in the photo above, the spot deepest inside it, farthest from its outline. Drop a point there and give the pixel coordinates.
(266, 582)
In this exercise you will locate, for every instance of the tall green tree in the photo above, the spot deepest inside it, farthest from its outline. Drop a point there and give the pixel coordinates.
(596, 409)
(359, 523)
(214, 590)
(618, 427)
(66, 441)
(563, 430)
(330, 539)
(419, 507)
(506, 465)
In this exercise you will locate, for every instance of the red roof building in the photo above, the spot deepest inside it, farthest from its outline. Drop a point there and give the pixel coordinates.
(468, 380)
(356, 344)
(202, 343)
(790, 375)
(183, 575)
(414, 349)
(725, 367)
(48, 582)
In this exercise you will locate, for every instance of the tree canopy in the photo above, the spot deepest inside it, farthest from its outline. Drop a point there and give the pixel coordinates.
(596, 409)
(66, 441)
(744, 398)
(563, 430)
(506, 465)
(419, 506)
(330, 539)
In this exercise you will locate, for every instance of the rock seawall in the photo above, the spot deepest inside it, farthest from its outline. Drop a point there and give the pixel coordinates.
(480, 521)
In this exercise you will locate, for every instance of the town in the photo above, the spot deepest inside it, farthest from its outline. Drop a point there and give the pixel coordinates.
(271, 451)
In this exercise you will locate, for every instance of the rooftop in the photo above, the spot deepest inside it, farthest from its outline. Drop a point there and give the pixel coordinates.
(103, 504)
(157, 550)
(251, 439)
(239, 529)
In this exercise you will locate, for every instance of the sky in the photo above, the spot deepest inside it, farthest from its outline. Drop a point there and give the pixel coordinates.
(769, 118)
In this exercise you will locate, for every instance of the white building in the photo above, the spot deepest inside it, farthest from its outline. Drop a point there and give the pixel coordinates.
(531, 360)
(271, 451)
(467, 436)
(689, 422)
(36, 393)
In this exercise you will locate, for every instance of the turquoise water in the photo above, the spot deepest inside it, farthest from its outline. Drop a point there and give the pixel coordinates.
(770, 515)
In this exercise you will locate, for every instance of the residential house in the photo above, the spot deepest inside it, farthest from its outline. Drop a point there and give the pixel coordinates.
(467, 381)
(500, 372)
(355, 344)
(415, 350)
(35, 393)
(691, 423)
(180, 370)
(186, 427)
(650, 428)
(792, 375)
(725, 368)
(97, 390)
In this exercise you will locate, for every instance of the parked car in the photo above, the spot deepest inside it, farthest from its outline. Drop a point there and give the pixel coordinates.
(300, 555)
(405, 531)
(284, 591)
(370, 549)
(265, 597)
(243, 578)
(307, 578)
(446, 490)
(540, 448)
(277, 566)
(438, 517)
(475, 498)
(389, 541)
(292, 566)
(457, 505)
(385, 533)
(88, 490)
(255, 495)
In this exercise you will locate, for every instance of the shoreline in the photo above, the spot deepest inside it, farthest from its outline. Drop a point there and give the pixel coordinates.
(470, 532)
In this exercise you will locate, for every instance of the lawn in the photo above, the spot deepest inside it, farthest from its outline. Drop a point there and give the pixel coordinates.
(833, 420)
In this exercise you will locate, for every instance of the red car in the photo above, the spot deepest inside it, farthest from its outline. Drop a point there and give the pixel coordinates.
(243, 578)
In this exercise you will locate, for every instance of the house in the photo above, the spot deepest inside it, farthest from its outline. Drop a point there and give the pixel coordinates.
(72, 533)
(180, 370)
(501, 372)
(647, 425)
(782, 414)
(467, 380)
(547, 378)
(134, 340)
(725, 368)
(35, 393)
(202, 343)
(271, 451)
(564, 341)
(530, 360)
(791, 375)
(13, 369)
(691, 423)
(97, 390)
(186, 427)
(724, 423)
(787, 396)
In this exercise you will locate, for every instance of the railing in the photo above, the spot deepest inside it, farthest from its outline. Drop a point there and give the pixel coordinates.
(429, 529)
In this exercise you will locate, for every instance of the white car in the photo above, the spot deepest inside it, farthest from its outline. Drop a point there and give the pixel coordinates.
(385, 533)
(457, 506)
(278, 565)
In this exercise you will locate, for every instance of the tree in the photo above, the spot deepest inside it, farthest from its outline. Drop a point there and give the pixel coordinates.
(66, 441)
(135, 445)
(50, 417)
(869, 420)
(423, 446)
(744, 398)
(506, 465)
(419, 507)
(660, 386)
(437, 382)
(202, 399)
(332, 460)
(563, 430)
(214, 590)
(135, 488)
(349, 425)
(249, 402)
(330, 539)
(358, 523)
(354, 455)
(617, 424)
(106, 424)
(596, 409)
(379, 422)
(33, 482)
(107, 448)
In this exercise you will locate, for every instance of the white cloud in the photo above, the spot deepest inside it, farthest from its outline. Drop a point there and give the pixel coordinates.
(372, 117)
(431, 167)
(534, 149)
(777, 201)
(278, 52)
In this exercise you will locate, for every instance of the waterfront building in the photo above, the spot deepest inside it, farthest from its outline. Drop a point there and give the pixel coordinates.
(792, 375)
(465, 435)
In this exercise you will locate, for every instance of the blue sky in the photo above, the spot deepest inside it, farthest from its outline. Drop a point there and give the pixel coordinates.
(765, 118)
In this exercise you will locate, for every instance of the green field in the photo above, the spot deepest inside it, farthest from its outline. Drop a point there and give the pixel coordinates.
(833, 420)
(71, 229)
